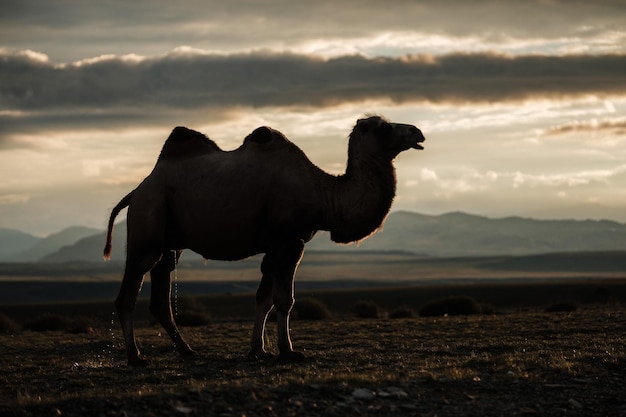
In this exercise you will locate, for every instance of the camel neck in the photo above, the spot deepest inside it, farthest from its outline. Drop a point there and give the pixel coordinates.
(361, 200)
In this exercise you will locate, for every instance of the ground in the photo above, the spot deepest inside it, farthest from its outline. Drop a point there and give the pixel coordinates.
(519, 363)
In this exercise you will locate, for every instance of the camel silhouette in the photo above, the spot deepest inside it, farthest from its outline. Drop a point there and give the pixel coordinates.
(264, 197)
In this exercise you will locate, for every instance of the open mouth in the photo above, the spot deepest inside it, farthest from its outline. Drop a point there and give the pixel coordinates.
(416, 144)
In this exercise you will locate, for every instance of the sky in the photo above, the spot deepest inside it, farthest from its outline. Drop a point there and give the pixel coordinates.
(523, 104)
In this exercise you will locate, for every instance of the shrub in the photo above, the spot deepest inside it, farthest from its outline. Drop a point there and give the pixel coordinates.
(366, 310)
(48, 322)
(311, 309)
(190, 312)
(80, 326)
(488, 309)
(564, 306)
(8, 325)
(193, 318)
(452, 306)
(402, 313)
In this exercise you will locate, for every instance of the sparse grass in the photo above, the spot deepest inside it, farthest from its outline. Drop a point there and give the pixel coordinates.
(451, 306)
(48, 322)
(437, 365)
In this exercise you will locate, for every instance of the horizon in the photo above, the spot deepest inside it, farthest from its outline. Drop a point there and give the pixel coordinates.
(122, 219)
(522, 116)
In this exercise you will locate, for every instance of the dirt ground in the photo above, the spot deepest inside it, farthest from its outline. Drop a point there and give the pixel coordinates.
(516, 364)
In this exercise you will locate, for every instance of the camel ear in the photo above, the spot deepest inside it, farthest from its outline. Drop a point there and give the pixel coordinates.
(261, 134)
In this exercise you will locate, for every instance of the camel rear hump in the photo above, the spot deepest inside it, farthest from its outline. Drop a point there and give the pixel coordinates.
(185, 143)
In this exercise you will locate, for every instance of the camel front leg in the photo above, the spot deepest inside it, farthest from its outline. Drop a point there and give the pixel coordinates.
(264, 305)
(284, 301)
(287, 261)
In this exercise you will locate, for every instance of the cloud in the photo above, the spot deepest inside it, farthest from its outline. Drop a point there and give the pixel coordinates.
(613, 126)
(68, 29)
(185, 80)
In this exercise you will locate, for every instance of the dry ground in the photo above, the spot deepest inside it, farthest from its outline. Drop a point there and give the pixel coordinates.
(524, 363)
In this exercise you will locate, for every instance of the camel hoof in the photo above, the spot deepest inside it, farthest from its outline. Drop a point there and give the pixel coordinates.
(291, 357)
(259, 356)
(187, 353)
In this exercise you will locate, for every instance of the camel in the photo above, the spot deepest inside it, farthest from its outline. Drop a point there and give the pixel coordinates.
(264, 197)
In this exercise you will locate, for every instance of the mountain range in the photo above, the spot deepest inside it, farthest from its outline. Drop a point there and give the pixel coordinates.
(451, 234)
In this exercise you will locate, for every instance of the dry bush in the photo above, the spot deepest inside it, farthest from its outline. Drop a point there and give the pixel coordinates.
(8, 325)
(191, 312)
(366, 310)
(310, 308)
(402, 313)
(193, 318)
(48, 322)
(451, 306)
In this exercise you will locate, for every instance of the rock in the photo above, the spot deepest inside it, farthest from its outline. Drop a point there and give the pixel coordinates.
(363, 394)
(183, 410)
(574, 404)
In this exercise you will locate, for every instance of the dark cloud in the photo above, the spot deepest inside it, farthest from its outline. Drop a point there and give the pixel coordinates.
(188, 81)
(72, 30)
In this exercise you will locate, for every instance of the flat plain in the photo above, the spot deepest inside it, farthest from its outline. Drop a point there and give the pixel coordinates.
(515, 359)
(514, 363)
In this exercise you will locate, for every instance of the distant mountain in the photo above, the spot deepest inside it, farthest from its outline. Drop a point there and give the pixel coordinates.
(581, 212)
(89, 248)
(13, 242)
(451, 234)
(461, 234)
(54, 242)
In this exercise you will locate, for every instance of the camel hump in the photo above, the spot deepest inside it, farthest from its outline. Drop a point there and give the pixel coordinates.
(266, 135)
(184, 143)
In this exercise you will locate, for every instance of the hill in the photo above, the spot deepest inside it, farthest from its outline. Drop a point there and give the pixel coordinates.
(12, 242)
(54, 242)
(89, 248)
(461, 234)
(451, 234)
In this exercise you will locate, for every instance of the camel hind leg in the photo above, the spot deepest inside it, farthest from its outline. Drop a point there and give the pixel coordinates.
(126, 300)
(161, 299)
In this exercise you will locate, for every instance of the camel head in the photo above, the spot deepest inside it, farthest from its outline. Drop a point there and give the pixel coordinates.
(375, 135)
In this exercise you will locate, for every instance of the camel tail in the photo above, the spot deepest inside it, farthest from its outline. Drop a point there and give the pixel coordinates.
(108, 247)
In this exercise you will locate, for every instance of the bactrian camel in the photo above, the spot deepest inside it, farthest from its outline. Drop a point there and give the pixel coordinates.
(264, 197)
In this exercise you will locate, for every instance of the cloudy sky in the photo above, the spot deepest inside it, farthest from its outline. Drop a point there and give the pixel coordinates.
(523, 104)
